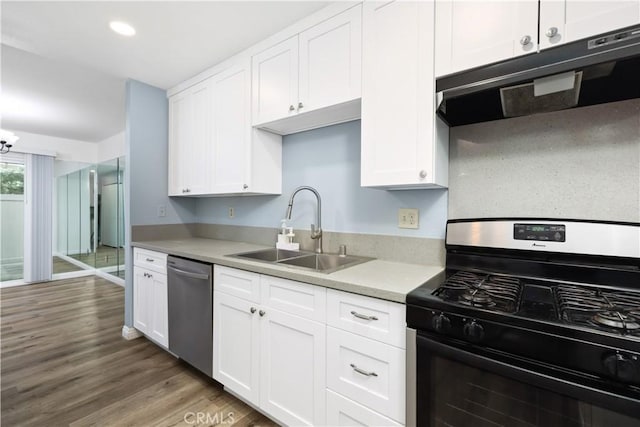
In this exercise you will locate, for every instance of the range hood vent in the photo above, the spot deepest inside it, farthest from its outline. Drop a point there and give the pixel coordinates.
(586, 72)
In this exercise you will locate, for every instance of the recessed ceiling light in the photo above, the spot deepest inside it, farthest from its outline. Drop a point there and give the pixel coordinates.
(122, 28)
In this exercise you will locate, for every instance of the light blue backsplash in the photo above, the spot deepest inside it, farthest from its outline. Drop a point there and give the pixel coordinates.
(328, 159)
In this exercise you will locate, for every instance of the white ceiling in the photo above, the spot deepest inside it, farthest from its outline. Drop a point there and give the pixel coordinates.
(63, 69)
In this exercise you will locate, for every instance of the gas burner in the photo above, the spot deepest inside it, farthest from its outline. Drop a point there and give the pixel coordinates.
(613, 310)
(499, 293)
(477, 298)
(617, 320)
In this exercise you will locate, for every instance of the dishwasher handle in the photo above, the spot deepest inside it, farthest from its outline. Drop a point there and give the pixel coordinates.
(197, 276)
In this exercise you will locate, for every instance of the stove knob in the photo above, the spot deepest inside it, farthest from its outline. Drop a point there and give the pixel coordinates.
(473, 331)
(621, 367)
(441, 323)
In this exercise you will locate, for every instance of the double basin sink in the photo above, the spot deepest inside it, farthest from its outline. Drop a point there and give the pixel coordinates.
(322, 263)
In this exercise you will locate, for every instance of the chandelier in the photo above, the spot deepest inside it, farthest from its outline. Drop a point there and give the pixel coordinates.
(7, 139)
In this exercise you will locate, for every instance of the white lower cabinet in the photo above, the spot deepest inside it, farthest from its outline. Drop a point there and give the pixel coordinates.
(307, 355)
(343, 412)
(270, 357)
(150, 297)
(367, 371)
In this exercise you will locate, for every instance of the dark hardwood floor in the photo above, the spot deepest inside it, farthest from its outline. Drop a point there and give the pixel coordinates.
(64, 362)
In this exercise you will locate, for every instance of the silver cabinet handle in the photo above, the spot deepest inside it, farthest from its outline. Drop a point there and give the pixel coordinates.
(300, 105)
(551, 32)
(261, 313)
(363, 372)
(149, 259)
(363, 316)
(525, 40)
(423, 174)
(291, 107)
(245, 186)
(252, 310)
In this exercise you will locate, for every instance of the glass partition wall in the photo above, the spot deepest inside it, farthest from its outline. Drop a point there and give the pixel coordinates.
(90, 218)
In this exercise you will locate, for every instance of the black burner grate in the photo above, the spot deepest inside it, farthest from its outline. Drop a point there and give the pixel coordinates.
(605, 309)
(498, 293)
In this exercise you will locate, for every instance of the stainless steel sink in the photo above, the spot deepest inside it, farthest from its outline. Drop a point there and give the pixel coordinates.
(325, 263)
(270, 255)
(322, 263)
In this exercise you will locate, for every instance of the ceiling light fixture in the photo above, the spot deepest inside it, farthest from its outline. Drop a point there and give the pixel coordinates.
(122, 28)
(7, 139)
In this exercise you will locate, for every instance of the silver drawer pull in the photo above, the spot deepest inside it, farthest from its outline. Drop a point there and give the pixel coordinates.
(363, 316)
(363, 372)
(149, 260)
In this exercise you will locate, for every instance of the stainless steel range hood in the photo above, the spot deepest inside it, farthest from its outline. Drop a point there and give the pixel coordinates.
(586, 72)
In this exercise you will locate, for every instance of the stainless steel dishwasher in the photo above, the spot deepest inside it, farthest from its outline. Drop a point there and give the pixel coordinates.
(190, 286)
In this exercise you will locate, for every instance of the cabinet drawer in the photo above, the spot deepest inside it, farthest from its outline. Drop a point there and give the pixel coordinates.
(343, 412)
(293, 297)
(369, 372)
(240, 283)
(370, 317)
(155, 261)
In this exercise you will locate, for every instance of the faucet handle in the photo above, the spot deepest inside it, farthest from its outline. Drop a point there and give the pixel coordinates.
(315, 232)
(342, 251)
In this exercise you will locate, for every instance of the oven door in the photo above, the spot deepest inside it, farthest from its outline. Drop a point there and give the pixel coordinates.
(459, 386)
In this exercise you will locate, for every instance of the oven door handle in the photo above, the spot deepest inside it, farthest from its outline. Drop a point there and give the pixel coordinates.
(606, 399)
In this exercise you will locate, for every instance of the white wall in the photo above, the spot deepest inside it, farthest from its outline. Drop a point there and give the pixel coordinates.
(111, 148)
(63, 149)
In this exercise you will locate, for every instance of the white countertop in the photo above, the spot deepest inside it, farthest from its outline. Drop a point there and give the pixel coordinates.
(377, 278)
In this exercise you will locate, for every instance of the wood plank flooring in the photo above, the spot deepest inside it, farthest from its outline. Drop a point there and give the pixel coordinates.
(64, 362)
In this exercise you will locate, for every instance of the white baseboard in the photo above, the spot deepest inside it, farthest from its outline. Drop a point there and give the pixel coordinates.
(130, 333)
(110, 277)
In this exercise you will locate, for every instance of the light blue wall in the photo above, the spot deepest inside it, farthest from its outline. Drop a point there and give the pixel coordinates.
(146, 140)
(329, 160)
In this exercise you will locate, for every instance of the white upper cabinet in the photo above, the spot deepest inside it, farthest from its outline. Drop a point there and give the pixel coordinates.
(213, 150)
(569, 20)
(403, 144)
(190, 140)
(275, 82)
(318, 70)
(474, 33)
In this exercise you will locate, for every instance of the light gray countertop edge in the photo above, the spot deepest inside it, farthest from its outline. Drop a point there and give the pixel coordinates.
(381, 279)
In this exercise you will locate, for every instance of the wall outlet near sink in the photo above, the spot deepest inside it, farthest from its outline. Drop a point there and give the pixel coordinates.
(408, 218)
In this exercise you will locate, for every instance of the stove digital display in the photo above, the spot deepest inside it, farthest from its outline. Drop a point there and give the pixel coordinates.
(539, 232)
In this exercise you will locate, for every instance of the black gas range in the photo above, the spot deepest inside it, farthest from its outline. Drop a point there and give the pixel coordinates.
(536, 323)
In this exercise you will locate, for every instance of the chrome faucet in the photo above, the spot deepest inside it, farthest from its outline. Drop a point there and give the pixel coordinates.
(316, 233)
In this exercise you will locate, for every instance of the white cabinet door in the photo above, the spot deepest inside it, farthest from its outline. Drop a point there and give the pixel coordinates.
(275, 82)
(398, 101)
(159, 312)
(150, 311)
(235, 345)
(330, 61)
(570, 20)
(292, 368)
(474, 33)
(190, 117)
(367, 371)
(141, 299)
(343, 412)
(180, 128)
(231, 129)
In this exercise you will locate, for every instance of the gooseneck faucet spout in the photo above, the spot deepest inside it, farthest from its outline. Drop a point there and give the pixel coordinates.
(316, 233)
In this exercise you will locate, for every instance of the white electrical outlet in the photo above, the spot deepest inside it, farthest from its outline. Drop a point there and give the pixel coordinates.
(162, 211)
(408, 218)
(232, 212)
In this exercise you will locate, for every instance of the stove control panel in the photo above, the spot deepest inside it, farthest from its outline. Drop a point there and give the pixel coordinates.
(540, 232)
